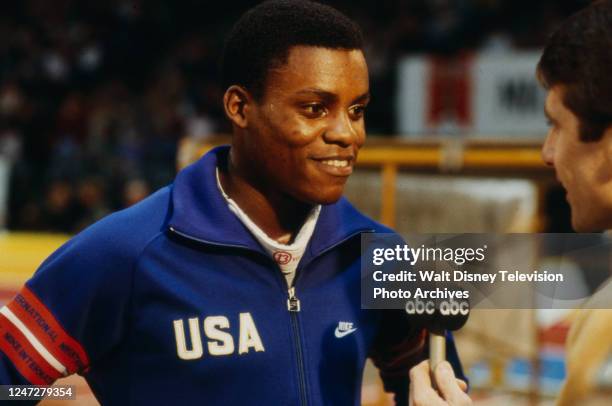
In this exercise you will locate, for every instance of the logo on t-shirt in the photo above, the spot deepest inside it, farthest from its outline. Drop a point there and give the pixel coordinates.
(282, 257)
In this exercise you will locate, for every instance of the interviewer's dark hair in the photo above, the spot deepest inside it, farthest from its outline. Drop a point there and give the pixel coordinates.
(263, 36)
(579, 57)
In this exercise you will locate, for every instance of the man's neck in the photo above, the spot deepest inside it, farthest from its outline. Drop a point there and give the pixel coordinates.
(279, 216)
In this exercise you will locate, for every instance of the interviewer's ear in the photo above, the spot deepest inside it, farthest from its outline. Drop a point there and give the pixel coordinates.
(236, 102)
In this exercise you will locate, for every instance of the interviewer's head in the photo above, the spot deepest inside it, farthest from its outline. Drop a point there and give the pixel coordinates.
(575, 69)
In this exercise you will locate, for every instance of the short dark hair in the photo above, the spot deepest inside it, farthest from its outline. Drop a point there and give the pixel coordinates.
(263, 36)
(578, 56)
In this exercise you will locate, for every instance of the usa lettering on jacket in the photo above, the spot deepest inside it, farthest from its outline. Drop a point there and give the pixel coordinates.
(220, 341)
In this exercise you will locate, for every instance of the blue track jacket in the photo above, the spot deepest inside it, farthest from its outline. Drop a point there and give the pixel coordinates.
(174, 302)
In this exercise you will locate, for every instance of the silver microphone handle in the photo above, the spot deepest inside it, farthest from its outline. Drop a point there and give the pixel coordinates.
(437, 350)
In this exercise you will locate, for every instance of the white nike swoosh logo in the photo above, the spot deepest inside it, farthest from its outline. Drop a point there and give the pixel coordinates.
(340, 334)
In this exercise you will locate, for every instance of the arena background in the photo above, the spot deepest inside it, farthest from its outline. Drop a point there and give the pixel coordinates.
(101, 103)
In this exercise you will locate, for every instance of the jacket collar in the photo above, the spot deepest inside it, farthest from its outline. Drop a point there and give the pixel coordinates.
(200, 212)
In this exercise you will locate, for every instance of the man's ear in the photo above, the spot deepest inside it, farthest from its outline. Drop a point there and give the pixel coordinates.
(237, 102)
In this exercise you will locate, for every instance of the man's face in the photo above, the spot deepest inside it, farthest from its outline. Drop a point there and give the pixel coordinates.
(583, 168)
(304, 134)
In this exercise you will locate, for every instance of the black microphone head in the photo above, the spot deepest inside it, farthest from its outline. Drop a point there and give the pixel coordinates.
(437, 315)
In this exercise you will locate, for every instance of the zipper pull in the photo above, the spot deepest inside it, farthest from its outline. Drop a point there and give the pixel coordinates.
(293, 303)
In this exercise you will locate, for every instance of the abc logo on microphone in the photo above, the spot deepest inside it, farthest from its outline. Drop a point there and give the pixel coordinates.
(445, 307)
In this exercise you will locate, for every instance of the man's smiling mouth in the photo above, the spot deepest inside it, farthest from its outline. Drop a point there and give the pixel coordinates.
(336, 165)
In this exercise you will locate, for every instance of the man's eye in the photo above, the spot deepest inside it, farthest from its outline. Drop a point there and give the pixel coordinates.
(314, 109)
(357, 111)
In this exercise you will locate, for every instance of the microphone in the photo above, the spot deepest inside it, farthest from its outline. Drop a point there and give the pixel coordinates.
(448, 317)
(438, 317)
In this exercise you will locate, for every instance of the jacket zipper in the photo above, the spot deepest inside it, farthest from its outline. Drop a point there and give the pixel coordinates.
(293, 306)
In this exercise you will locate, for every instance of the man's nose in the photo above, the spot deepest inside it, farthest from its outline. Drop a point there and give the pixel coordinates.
(548, 150)
(341, 131)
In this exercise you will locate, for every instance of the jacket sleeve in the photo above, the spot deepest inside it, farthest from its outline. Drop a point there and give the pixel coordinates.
(401, 346)
(73, 311)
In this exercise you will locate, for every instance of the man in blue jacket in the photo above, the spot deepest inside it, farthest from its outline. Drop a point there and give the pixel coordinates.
(240, 282)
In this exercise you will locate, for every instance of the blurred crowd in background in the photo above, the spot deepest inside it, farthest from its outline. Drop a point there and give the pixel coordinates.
(94, 96)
